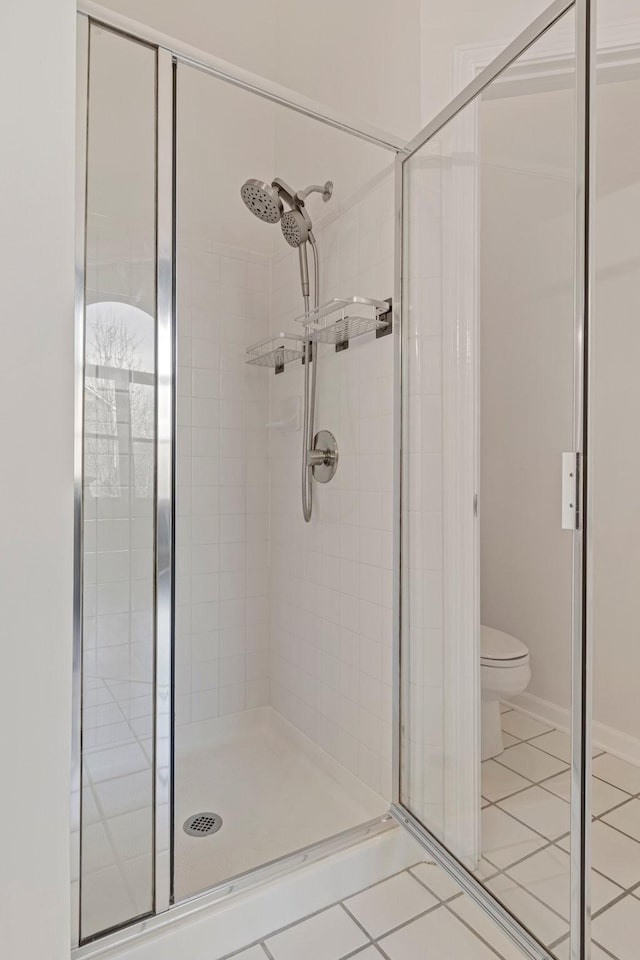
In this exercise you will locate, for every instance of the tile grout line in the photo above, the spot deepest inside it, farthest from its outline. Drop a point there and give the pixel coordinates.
(357, 923)
(475, 932)
(336, 903)
(605, 950)
(399, 926)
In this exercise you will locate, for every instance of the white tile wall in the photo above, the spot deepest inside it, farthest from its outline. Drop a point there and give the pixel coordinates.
(331, 579)
(222, 663)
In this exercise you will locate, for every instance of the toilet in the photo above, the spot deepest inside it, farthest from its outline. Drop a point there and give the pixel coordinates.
(504, 672)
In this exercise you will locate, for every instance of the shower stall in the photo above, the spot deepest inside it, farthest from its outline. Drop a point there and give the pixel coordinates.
(303, 489)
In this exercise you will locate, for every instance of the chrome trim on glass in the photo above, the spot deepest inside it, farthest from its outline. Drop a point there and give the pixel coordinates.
(515, 49)
(82, 105)
(244, 79)
(582, 561)
(237, 885)
(525, 941)
(397, 478)
(164, 480)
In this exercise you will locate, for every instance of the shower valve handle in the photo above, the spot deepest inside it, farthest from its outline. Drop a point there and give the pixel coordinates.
(316, 458)
(322, 459)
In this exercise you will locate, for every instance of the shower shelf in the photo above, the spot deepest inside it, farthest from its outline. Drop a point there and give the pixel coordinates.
(276, 351)
(340, 320)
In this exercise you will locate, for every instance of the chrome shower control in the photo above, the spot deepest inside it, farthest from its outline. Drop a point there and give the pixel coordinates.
(323, 458)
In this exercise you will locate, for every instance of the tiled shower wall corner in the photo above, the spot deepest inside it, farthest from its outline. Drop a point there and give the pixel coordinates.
(222, 607)
(331, 579)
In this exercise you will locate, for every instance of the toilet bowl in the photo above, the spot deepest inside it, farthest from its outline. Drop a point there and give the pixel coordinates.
(504, 672)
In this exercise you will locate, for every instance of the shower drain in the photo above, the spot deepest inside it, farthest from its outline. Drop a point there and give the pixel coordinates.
(202, 824)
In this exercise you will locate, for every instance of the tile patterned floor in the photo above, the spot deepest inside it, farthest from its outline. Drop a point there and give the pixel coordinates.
(419, 914)
(525, 836)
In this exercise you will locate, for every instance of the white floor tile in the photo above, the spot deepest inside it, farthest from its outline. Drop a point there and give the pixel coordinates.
(115, 761)
(618, 929)
(603, 795)
(329, 935)
(253, 953)
(563, 951)
(557, 743)
(90, 812)
(546, 925)
(485, 870)
(436, 880)
(138, 878)
(530, 762)
(105, 901)
(390, 903)
(522, 726)
(97, 851)
(499, 781)
(626, 818)
(508, 740)
(614, 855)
(546, 874)
(369, 953)
(478, 920)
(504, 840)
(620, 773)
(437, 936)
(132, 833)
(125, 794)
(540, 810)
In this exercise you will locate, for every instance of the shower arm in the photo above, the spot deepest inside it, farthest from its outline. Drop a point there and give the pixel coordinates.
(325, 190)
(298, 198)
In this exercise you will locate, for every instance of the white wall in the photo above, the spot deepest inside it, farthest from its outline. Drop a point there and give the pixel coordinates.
(526, 361)
(448, 25)
(36, 486)
(359, 57)
(616, 401)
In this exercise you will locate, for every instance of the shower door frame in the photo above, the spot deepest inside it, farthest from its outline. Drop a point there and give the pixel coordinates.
(466, 387)
(170, 53)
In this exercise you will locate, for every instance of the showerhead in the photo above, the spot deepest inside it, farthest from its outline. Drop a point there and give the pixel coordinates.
(294, 228)
(263, 200)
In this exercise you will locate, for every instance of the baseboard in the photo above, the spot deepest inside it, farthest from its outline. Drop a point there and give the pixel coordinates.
(614, 741)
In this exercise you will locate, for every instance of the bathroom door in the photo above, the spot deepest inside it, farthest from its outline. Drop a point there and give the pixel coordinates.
(489, 406)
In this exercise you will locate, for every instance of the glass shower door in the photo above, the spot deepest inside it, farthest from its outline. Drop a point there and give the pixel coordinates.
(118, 748)
(487, 546)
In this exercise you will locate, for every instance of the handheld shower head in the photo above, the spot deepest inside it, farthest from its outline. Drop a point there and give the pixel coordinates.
(263, 200)
(295, 228)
